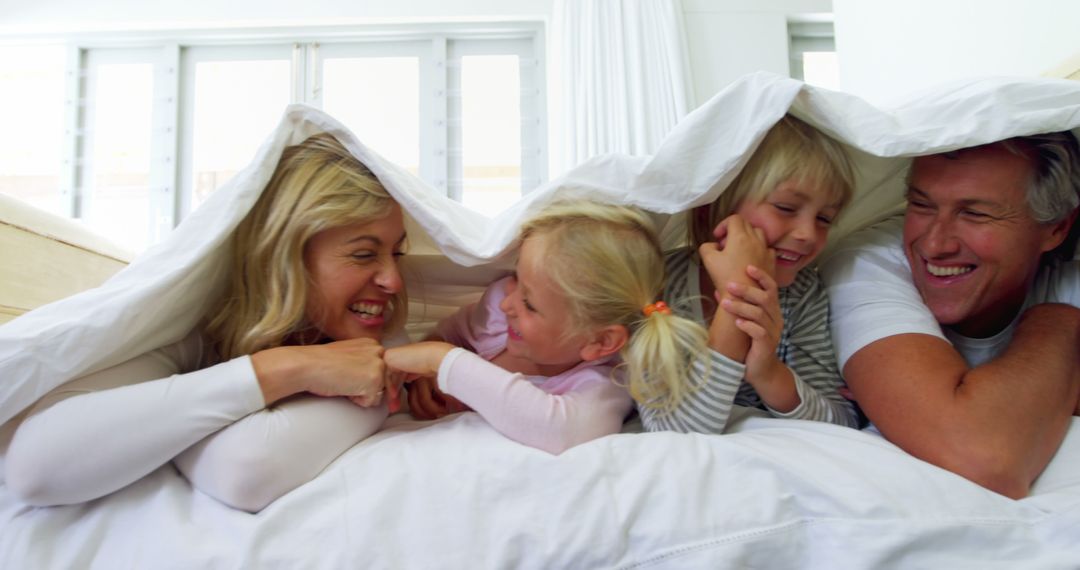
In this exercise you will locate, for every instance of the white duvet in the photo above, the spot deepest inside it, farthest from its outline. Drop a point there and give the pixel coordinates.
(456, 494)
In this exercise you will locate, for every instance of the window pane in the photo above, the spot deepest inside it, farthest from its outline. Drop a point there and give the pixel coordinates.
(31, 150)
(820, 68)
(119, 123)
(490, 132)
(237, 104)
(377, 98)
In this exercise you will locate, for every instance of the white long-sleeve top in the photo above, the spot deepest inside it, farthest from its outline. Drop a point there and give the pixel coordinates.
(552, 413)
(102, 432)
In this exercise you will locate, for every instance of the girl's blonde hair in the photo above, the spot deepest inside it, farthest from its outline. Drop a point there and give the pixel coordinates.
(608, 263)
(791, 150)
(318, 185)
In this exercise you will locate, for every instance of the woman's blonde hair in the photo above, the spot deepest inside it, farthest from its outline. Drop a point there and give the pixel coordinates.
(317, 185)
(608, 263)
(791, 150)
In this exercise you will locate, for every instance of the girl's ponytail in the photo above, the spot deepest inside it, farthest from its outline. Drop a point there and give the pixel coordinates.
(662, 348)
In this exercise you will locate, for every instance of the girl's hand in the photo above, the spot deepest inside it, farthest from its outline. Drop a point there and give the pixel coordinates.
(421, 361)
(427, 402)
(756, 310)
(420, 358)
(352, 367)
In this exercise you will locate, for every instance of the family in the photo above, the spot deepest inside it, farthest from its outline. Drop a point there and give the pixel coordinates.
(955, 328)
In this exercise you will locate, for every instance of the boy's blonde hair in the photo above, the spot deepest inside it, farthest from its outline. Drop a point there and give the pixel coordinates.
(608, 263)
(791, 150)
(318, 185)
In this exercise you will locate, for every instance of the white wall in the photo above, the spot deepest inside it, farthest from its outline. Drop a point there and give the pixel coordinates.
(888, 49)
(18, 16)
(730, 38)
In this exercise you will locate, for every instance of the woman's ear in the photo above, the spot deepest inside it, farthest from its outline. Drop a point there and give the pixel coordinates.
(605, 342)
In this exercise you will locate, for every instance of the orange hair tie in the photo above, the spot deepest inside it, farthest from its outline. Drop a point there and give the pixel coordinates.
(657, 307)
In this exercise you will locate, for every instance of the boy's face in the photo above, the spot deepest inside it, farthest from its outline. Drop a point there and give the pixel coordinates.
(796, 218)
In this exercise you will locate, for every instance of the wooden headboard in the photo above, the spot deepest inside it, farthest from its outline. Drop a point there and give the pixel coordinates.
(1069, 69)
(45, 257)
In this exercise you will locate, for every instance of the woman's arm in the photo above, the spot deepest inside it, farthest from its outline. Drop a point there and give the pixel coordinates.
(99, 433)
(254, 461)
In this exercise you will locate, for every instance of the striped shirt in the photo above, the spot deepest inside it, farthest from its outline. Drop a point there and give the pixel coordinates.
(805, 347)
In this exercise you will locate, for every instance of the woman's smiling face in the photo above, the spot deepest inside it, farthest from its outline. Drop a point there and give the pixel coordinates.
(354, 273)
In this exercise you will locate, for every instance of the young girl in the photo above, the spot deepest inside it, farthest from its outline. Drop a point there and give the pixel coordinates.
(545, 342)
(769, 339)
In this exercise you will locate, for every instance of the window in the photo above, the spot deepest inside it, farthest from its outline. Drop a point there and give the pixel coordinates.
(232, 99)
(812, 46)
(32, 93)
(114, 193)
(374, 89)
(147, 132)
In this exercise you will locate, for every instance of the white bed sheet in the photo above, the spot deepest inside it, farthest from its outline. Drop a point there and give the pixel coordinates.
(779, 493)
(456, 494)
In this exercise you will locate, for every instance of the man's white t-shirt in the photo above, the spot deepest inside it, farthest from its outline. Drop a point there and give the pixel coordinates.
(871, 295)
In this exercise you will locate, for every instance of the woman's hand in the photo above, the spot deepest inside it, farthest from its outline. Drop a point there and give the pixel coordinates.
(392, 381)
(352, 367)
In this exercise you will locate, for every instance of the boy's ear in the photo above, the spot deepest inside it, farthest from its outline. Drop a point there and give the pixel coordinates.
(605, 342)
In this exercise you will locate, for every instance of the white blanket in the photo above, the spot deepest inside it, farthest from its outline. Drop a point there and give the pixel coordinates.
(778, 493)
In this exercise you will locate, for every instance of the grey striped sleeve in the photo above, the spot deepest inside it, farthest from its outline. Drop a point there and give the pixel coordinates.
(808, 352)
(707, 409)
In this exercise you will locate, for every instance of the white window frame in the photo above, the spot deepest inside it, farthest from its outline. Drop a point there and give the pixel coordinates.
(175, 51)
(808, 33)
(190, 56)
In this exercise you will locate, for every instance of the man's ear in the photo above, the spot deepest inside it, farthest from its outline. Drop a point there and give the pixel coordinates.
(1059, 232)
(605, 342)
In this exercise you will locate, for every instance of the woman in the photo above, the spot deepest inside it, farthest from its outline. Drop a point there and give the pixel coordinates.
(244, 403)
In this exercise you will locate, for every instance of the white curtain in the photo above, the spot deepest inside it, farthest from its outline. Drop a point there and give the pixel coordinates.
(623, 76)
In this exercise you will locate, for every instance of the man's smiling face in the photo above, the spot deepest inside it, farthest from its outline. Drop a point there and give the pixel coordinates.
(970, 239)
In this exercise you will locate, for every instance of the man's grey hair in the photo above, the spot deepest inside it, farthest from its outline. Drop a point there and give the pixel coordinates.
(1054, 190)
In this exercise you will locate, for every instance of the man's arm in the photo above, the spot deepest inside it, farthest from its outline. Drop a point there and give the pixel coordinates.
(998, 424)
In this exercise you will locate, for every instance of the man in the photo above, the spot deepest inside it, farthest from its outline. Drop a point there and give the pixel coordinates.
(958, 332)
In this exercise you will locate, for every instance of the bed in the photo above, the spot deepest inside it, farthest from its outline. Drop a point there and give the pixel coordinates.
(454, 493)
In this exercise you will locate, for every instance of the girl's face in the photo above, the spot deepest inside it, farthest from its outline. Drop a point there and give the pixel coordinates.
(795, 218)
(354, 274)
(537, 315)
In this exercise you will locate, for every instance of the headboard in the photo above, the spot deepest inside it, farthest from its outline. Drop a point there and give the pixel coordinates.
(45, 257)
